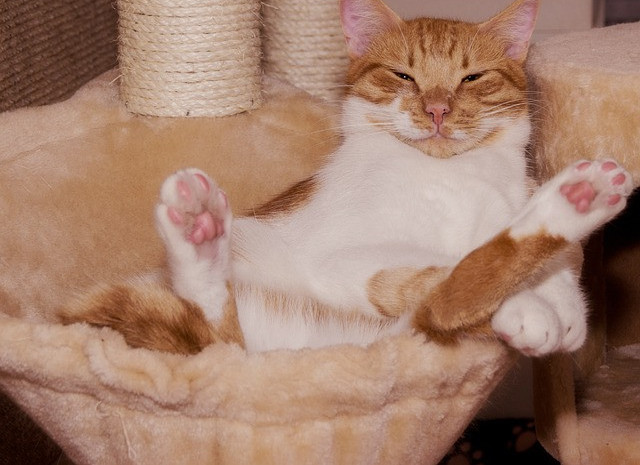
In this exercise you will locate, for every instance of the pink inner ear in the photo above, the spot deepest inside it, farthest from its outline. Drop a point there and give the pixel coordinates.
(523, 26)
(515, 25)
(353, 30)
(362, 21)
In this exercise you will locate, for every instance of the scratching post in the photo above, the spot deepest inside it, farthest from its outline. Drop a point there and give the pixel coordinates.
(587, 98)
(304, 45)
(190, 58)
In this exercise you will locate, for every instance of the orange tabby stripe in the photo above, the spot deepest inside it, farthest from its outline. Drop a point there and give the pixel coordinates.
(297, 196)
(153, 317)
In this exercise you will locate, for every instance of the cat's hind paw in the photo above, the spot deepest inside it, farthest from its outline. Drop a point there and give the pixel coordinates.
(577, 201)
(596, 185)
(193, 215)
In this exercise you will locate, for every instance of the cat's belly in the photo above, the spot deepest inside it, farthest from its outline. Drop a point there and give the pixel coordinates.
(333, 261)
(272, 321)
(410, 211)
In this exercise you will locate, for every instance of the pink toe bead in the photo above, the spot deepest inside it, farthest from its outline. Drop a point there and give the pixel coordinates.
(583, 166)
(619, 179)
(175, 216)
(183, 190)
(614, 199)
(203, 182)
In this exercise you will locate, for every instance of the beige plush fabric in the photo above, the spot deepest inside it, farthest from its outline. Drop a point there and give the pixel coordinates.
(78, 181)
(609, 409)
(400, 401)
(587, 94)
(586, 84)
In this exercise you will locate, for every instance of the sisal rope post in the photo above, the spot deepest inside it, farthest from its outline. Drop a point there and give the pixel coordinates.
(304, 45)
(190, 58)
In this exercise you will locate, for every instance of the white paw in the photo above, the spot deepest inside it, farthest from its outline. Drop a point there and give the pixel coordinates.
(530, 324)
(577, 201)
(193, 216)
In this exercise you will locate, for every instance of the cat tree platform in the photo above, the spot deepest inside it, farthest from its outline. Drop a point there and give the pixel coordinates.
(587, 93)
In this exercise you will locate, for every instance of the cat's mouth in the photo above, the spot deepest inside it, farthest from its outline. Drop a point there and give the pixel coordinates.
(437, 144)
(437, 137)
(441, 134)
(441, 141)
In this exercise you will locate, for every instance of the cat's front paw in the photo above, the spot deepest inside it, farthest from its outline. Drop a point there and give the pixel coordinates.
(193, 216)
(528, 323)
(577, 201)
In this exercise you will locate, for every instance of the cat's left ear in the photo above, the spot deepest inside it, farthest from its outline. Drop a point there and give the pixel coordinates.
(362, 21)
(514, 27)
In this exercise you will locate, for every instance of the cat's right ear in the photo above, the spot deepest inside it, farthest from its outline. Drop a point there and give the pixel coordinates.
(362, 20)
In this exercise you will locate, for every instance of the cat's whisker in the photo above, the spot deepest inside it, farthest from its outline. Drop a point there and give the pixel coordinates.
(382, 126)
(536, 114)
(496, 110)
(507, 103)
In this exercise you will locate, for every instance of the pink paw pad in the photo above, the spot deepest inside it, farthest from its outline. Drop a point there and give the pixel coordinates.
(203, 182)
(183, 190)
(175, 216)
(619, 179)
(205, 228)
(195, 208)
(614, 199)
(583, 166)
(581, 194)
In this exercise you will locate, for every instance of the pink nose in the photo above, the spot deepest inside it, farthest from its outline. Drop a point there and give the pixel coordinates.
(437, 112)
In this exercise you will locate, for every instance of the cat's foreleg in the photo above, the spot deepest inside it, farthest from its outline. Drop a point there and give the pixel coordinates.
(194, 220)
(549, 315)
(466, 299)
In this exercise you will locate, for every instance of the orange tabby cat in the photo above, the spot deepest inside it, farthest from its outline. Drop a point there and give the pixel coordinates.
(420, 221)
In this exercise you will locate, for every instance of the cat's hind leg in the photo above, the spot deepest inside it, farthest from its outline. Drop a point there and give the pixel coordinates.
(564, 210)
(551, 314)
(194, 219)
(575, 202)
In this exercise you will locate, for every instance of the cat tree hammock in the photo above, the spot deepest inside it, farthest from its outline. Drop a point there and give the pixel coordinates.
(399, 401)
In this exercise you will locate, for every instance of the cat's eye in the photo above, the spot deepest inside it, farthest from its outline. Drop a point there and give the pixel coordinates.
(404, 76)
(472, 77)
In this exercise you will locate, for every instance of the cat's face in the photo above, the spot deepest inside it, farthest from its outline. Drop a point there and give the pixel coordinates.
(442, 86)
